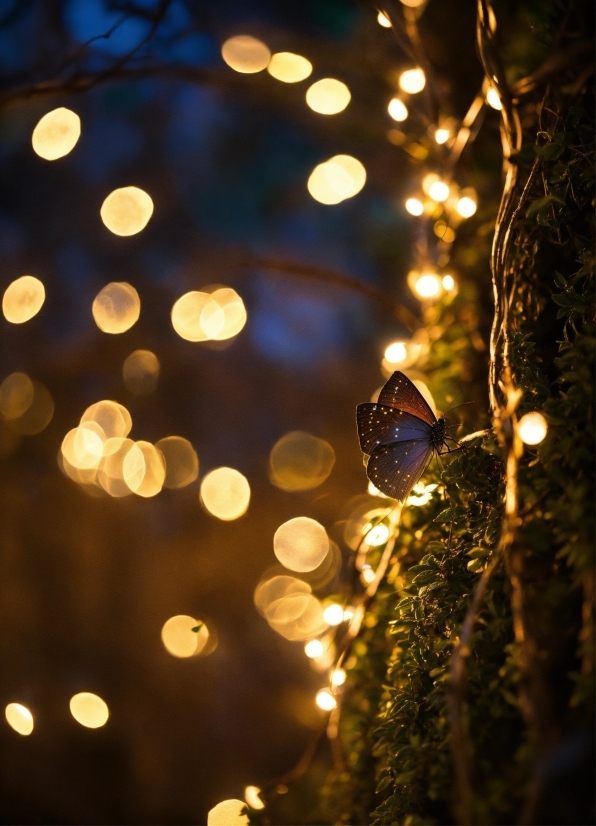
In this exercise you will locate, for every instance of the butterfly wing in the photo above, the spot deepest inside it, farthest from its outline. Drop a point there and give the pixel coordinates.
(379, 424)
(399, 392)
(395, 468)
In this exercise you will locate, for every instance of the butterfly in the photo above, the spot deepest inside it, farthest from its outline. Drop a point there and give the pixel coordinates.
(400, 434)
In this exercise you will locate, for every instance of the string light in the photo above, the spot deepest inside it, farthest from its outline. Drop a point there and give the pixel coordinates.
(227, 813)
(126, 211)
(251, 795)
(23, 299)
(335, 180)
(448, 283)
(325, 700)
(234, 315)
(338, 677)
(466, 207)
(442, 135)
(532, 428)
(196, 316)
(377, 535)
(333, 614)
(116, 307)
(289, 67)
(427, 285)
(397, 109)
(396, 353)
(180, 459)
(19, 718)
(245, 54)
(56, 134)
(439, 191)
(412, 81)
(110, 474)
(493, 98)
(180, 638)
(89, 710)
(367, 575)
(313, 649)
(225, 493)
(300, 461)
(143, 469)
(383, 20)
(301, 544)
(414, 206)
(296, 617)
(140, 372)
(328, 96)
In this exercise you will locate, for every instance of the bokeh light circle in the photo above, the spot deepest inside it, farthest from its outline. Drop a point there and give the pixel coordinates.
(23, 299)
(225, 493)
(89, 710)
(56, 134)
(301, 544)
(127, 210)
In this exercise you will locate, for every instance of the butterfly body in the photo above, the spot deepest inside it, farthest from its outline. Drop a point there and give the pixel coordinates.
(400, 434)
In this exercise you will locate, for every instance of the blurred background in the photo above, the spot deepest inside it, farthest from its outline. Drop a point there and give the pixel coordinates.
(87, 580)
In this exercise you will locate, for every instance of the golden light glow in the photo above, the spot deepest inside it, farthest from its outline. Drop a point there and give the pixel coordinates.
(325, 700)
(333, 614)
(196, 316)
(335, 180)
(328, 96)
(16, 395)
(110, 474)
(113, 418)
(296, 616)
(414, 206)
(225, 493)
(349, 613)
(126, 211)
(439, 191)
(397, 109)
(56, 134)
(89, 710)
(444, 232)
(19, 718)
(227, 813)
(140, 372)
(421, 494)
(448, 283)
(234, 313)
(442, 135)
(277, 588)
(181, 461)
(180, 640)
(38, 414)
(383, 20)
(367, 576)
(23, 299)
(493, 98)
(532, 428)
(251, 795)
(427, 285)
(143, 469)
(377, 535)
(301, 544)
(412, 81)
(314, 649)
(82, 447)
(412, 4)
(396, 352)
(289, 68)
(116, 307)
(466, 207)
(300, 461)
(338, 677)
(245, 54)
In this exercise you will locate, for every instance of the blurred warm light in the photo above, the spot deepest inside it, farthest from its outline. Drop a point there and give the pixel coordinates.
(296, 616)
(225, 493)
(82, 446)
(335, 180)
(251, 795)
(110, 473)
(444, 232)
(412, 4)
(113, 418)
(338, 677)
(397, 109)
(300, 461)
(143, 469)
(493, 98)
(402, 354)
(412, 81)
(180, 640)
(234, 315)
(277, 588)
(245, 54)
(23, 299)
(362, 514)
(427, 285)
(126, 211)
(439, 191)
(348, 613)
(421, 494)
(301, 544)
(181, 461)
(396, 352)
(333, 614)
(227, 813)
(56, 134)
(367, 576)
(140, 372)
(19, 718)
(289, 68)
(442, 135)
(466, 207)
(377, 535)
(383, 20)
(16, 395)
(448, 283)
(325, 700)
(429, 179)
(354, 169)
(314, 648)
(196, 316)
(532, 428)
(38, 414)
(89, 710)
(116, 307)
(328, 96)
(414, 206)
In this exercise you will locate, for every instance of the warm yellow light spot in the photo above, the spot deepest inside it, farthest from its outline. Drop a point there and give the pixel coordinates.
(396, 352)
(225, 493)
(181, 460)
(301, 544)
(444, 232)
(442, 135)
(179, 638)
(325, 700)
(234, 315)
(289, 68)
(82, 447)
(23, 299)
(89, 710)
(349, 613)
(333, 614)
(493, 98)
(245, 54)
(414, 206)
(56, 134)
(377, 535)
(328, 96)
(421, 494)
(144, 470)
(19, 718)
(251, 795)
(335, 180)
(427, 285)
(429, 179)
(383, 20)
(113, 418)
(127, 211)
(532, 428)
(354, 169)
(367, 576)
(116, 307)
(300, 461)
(412, 81)
(196, 316)
(38, 413)
(140, 372)
(412, 4)
(110, 474)
(277, 588)
(466, 207)
(16, 395)
(397, 109)
(227, 813)
(296, 616)
(313, 649)
(338, 677)
(448, 283)
(439, 191)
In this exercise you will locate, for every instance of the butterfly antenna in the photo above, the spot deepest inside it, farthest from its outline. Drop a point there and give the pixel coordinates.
(455, 406)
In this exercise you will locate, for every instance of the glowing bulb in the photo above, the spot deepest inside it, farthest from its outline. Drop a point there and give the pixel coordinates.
(348, 613)
(314, 649)
(143, 469)
(179, 638)
(396, 352)
(301, 544)
(397, 109)
(412, 81)
(140, 372)
(181, 461)
(325, 700)
(113, 418)
(383, 20)
(466, 207)
(89, 710)
(251, 795)
(377, 535)
(493, 98)
(428, 285)
(289, 68)
(338, 677)
(328, 96)
(19, 718)
(16, 395)
(354, 169)
(300, 461)
(116, 308)
(227, 813)
(126, 211)
(439, 191)
(197, 316)
(532, 428)
(442, 135)
(23, 299)
(414, 206)
(245, 54)
(56, 134)
(412, 4)
(367, 575)
(234, 315)
(448, 282)
(225, 493)
(333, 614)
